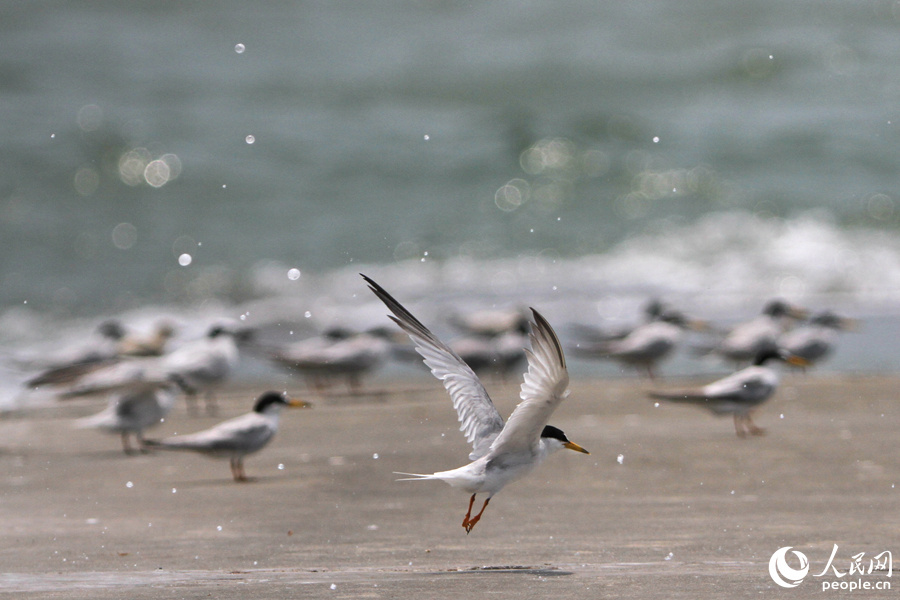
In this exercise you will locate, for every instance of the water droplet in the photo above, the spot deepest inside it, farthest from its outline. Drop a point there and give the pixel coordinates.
(375, 456)
(334, 587)
(732, 492)
(655, 139)
(781, 416)
(219, 528)
(620, 459)
(307, 314)
(427, 137)
(656, 405)
(174, 490)
(239, 48)
(280, 467)
(185, 259)
(294, 274)
(53, 135)
(129, 485)
(250, 139)
(669, 556)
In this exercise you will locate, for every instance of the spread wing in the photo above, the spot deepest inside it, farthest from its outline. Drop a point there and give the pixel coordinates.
(478, 417)
(545, 386)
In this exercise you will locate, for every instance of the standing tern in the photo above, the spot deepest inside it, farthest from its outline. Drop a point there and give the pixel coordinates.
(235, 438)
(323, 361)
(124, 347)
(737, 394)
(748, 339)
(201, 365)
(130, 412)
(645, 345)
(815, 339)
(501, 452)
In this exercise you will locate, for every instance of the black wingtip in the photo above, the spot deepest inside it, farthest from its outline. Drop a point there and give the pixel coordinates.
(544, 325)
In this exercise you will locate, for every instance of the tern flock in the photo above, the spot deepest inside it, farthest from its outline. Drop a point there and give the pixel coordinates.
(140, 377)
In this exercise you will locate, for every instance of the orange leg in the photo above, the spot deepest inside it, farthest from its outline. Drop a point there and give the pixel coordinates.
(237, 469)
(471, 522)
(739, 426)
(465, 522)
(754, 429)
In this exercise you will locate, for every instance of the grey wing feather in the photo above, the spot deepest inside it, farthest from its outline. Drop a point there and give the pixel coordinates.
(479, 420)
(545, 387)
(229, 436)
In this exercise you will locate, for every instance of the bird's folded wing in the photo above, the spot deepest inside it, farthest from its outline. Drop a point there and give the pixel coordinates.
(545, 386)
(744, 385)
(234, 435)
(479, 420)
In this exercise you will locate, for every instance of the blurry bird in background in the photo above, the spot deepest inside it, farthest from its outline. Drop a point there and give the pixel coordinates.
(337, 355)
(114, 346)
(646, 345)
(815, 339)
(738, 394)
(200, 366)
(130, 412)
(745, 341)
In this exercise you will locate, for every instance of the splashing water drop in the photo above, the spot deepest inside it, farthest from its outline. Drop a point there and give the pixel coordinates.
(307, 314)
(333, 586)
(129, 485)
(250, 139)
(219, 528)
(620, 459)
(294, 274)
(280, 467)
(375, 456)
(185, 259)
(239, 48)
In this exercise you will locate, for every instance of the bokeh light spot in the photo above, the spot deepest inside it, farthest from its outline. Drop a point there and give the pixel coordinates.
(124, 236)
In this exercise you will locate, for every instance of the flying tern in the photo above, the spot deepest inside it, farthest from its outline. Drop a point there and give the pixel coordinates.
(501, 452)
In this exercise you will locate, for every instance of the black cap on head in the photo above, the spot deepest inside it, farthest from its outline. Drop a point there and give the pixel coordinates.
(776, 308)
(111, 329)
(768, 353)
(268, 399)
(554, 432)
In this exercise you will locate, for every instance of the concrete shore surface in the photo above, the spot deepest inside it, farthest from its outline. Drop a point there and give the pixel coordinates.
(669, 504)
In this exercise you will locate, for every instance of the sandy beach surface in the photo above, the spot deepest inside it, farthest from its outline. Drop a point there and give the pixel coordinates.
(669, 504)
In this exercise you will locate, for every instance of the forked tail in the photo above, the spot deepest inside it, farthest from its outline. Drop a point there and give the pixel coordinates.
(415, 476)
